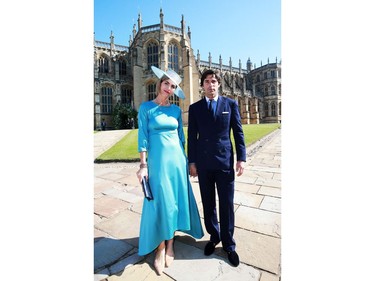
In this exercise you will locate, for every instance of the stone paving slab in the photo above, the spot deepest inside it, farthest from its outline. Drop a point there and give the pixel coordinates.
(124, 225)
(125, 196)
(108, 206)
(270, 191)
(107, 250)
(246, 187)
(268, 182)
(271, 204)
(260, 221)
(259, 250)
(268, 277)
(247, 199)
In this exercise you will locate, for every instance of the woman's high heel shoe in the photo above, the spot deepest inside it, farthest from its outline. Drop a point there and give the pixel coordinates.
(159, 262)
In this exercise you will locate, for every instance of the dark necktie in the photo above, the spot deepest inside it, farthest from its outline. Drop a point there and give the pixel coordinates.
(210, 109)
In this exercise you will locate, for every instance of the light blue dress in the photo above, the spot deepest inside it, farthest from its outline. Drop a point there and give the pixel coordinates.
(174, 207)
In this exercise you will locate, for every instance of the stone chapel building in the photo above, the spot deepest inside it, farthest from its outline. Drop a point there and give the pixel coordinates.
(122, 74)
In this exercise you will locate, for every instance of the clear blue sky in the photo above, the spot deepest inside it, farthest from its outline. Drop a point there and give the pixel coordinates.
(239, 29)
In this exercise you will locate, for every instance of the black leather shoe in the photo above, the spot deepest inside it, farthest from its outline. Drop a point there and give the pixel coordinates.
(233, 258)
(210, 248)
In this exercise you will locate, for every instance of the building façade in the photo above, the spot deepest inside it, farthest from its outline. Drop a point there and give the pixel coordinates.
(122, 74)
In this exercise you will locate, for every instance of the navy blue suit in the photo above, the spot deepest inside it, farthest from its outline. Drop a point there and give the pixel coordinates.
(210, 148)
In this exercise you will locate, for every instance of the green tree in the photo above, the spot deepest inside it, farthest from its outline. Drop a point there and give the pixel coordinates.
(124, 117)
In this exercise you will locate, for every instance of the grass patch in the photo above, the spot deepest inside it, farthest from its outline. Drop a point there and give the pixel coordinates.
(126, 150)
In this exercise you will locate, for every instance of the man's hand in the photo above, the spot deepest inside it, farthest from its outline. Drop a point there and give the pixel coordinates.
(240, 166)
(193, 170)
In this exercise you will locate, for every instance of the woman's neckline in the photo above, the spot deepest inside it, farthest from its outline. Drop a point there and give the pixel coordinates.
(167, 105)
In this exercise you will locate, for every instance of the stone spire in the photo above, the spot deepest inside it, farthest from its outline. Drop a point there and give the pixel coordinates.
(139, 22)
(134, 31)
(249, 65)
(183, 26)
(112, 43)
(161, 19)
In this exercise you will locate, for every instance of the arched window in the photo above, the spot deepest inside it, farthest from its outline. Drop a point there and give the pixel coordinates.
(173, 57)
(122, 67)
(265, 109)
(258, 91)
(126, 95)
(151, 90)
(106, 100)
(266, 90)
(258, 78)
(273, 90)
(273, 109)
(152, 55)
(103, 65)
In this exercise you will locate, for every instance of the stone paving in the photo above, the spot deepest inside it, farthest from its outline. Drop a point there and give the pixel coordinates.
(118, 200)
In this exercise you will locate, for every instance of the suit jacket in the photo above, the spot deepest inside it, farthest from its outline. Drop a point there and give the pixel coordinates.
(209, 143)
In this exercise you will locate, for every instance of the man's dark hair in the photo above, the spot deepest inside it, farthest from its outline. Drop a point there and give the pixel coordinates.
(215, 73)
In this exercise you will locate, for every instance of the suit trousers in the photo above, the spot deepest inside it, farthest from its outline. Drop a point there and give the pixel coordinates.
(224, 181)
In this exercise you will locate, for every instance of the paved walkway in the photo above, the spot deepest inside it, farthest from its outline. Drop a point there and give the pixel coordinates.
(118, 206)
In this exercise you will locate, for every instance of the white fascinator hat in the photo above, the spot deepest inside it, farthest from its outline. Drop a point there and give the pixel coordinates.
(173, 76)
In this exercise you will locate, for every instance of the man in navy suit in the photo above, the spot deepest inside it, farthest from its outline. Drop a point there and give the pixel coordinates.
(211, 158)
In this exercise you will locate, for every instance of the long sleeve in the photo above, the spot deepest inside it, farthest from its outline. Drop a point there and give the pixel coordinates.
(142, 129)
(238, 135)
(181, 134)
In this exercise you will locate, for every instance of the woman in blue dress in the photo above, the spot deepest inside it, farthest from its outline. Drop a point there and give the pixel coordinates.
(161, 143)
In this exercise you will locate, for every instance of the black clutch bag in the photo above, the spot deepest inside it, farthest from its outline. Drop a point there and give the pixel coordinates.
(147, 189)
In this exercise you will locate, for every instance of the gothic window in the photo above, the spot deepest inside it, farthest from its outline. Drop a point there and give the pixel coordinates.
(103, 65)
(258, 78)
(279, 73)
(258, 91)
(272, 73)
(273, 90)
(152, 55)
(106, 100)
(151, 90)
(265, 75)
(273, 109)
(266, 90)
(265, 109)
(126, 95)
(122, 67)
(173, 57)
